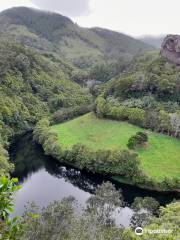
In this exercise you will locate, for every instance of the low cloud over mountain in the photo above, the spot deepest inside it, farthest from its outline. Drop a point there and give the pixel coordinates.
(67, 7)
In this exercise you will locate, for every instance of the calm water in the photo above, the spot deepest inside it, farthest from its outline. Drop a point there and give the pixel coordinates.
(44, 180)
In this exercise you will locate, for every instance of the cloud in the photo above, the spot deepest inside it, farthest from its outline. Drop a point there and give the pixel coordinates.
(5, 4)
(71, 8)
(133, 17)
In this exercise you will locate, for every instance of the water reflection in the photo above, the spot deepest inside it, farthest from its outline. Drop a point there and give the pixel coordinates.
(44, 180)
(29, 158)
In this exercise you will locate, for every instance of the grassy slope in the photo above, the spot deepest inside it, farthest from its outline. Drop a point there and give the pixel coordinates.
(161, 158)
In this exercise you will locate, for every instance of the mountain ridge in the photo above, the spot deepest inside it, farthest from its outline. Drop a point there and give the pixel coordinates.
(54, 33)
(155, 41)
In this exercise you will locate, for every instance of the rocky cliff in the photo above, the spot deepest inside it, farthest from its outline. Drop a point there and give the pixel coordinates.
(170, 49)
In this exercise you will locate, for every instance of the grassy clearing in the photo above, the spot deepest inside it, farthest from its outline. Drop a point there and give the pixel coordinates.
(161, 158)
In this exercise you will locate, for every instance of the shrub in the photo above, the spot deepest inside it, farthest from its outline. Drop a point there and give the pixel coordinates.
(137, 140)
(5, 165)
(101, 107)
(68, 113)
(136, 116)
(10, 228)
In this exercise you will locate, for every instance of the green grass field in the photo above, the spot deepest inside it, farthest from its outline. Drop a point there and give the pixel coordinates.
(161, 158)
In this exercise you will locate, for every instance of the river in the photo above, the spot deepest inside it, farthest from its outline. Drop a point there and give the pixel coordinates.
(44, 180)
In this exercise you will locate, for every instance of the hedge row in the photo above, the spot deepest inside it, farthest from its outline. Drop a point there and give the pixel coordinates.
(163, 122)
(65, 114)
(122, 163)
(112, 162)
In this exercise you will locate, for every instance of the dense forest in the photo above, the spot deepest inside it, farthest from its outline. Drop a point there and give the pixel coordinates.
(32, 86)
(145, 94)
(37, 75)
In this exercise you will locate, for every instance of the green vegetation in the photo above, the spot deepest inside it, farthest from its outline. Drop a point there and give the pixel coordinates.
(5, 166)
(94, 133)
(147, 95)
(137, 140)
(45, 62)
(9, 227)
(58, 35)
(108, 162)
(160, 158)
(32, 86)
(66, 224)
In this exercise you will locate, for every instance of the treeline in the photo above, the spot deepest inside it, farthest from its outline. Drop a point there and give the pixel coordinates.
(147, 94)
(156, 78)
(116, 163)
(108, 162)
(65, 114)
(159, 121)
(105, 72)
(5, 166)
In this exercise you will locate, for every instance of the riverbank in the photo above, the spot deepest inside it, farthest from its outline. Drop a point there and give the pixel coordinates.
(45, 180)
(121, 164)
(159, 159)
(119, 179)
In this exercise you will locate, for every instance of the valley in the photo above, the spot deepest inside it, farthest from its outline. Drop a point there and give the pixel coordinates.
(89, 124)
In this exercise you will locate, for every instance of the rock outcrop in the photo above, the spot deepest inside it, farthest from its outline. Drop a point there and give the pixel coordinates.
(170, 49)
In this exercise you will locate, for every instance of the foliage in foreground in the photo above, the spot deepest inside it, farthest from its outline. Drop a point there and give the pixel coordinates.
(10, 228)
(60, 221)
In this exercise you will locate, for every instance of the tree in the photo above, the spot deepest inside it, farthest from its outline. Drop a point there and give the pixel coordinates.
(140, 219)
(5, 165)
(164, 122)
(51, 222)
(151, 120)
(104, 203)
(147, 203)
(11, 228)
(100, 107)
(60, 220)
(136, 116)
(137, 140)
(175, 123)
(22, 62)
(168, 220)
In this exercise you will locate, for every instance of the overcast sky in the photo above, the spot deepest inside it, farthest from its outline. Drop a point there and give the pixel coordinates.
(134, 17)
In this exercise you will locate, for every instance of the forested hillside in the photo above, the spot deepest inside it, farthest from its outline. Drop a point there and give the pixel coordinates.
(32, 86)
(146, 94)
(53, 33)
(41, 54)
(52, 71)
